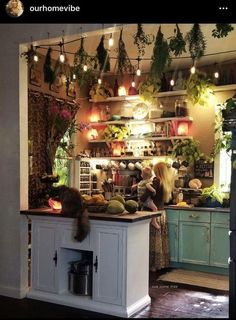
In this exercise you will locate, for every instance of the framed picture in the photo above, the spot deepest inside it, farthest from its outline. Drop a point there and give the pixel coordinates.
(35, 77)
(70, 90)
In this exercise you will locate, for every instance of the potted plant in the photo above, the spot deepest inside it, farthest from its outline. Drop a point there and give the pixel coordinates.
(211, 197)
(228, 110)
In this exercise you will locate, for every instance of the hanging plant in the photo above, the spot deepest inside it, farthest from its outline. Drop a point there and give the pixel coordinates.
(81, 58)
(124, 64)
(161, 56)
(49, 73)
(141, 40)
(199, 89)
(29, 55)
(196, 42)
(103, 56)
(222, 30)
(177, 43)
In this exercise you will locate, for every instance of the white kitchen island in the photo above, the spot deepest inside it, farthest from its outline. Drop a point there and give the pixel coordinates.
(119, 245)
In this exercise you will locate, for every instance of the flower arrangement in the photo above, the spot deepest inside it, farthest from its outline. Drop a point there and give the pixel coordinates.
(61, 119)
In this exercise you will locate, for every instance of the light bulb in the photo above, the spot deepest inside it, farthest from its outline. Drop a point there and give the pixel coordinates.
(138, 72)
(193, 70)
(172, 82)
(85, 67)
(216, 74)
(62, 57)
(99, 80)
(133, 84)
(74, 76)
(111, 42)
(36, 58)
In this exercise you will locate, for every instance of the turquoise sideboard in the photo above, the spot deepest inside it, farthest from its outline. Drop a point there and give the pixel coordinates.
(199, 239)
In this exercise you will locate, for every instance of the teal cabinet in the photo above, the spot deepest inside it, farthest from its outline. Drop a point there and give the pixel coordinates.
(219, 240)
(173, 228)
(199, 240)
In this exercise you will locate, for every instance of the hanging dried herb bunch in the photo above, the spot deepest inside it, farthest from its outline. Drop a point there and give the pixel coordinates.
(81, 58)
(161, 58)
(141, 40)
(123, 60)
(196, 42)
(29, 55)
(222, 30)
(177, 43)
(49, 72)
(103, 56)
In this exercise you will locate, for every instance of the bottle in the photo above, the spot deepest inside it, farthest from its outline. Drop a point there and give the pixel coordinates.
(180, 197)
(115, 89)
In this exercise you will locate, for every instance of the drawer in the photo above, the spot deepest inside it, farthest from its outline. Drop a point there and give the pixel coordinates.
(172, 215)
(67, 239)
(196, 216)
(220, 217)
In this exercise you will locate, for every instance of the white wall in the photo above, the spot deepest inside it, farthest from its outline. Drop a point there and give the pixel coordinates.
(13, 151)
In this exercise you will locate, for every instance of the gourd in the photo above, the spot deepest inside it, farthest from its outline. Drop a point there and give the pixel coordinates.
(195, 184)
(115, 207)
(119, 198)
(131, 206)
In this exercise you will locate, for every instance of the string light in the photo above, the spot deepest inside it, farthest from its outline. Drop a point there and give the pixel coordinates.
(62, 57)
(99, 80)
(216, 73)
(193, 70)
(172, 82)
(74, 76)
(138, 71)
(36, 58)
(111, 41)
(85, 67)
(133, 84)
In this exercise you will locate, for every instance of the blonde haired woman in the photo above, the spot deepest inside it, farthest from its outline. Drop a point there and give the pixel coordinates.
(163, 183)
(14, 8)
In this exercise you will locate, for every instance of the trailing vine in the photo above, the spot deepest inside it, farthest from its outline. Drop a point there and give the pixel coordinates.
(199, 89)
(177, 43)
(123, 60)
(196, 42)
(141, 39)
(222, 30)
(161, 58)
(103, 56)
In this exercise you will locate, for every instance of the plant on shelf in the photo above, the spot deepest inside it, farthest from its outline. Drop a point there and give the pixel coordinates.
(141, 40)
(161, 58)
(222, 30)
(196, 42)
(212, 196)
(116, 132)
(99, 92)
(189, 149)
(199, 89)
(177, 43)
(148, 90)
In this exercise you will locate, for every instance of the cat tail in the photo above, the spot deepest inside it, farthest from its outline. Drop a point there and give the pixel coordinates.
(83, 227)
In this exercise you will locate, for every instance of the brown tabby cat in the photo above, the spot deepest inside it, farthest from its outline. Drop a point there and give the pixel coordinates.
(72, 206)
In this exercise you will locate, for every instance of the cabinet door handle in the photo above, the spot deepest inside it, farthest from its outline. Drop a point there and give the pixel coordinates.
(96, 264)
(208, 235)
(55, 258)
(194, 216)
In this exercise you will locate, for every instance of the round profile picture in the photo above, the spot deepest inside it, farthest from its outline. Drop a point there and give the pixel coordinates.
(14, 8)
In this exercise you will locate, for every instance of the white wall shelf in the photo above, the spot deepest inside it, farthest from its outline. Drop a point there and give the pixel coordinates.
(144, 138)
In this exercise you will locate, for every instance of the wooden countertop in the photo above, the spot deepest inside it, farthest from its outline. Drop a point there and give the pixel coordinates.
(123, 217)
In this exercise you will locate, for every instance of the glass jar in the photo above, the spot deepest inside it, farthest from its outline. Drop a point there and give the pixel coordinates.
(181, 108)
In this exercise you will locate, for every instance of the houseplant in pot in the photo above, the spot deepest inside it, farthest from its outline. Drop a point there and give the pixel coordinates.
(228, 112)
(211, 197)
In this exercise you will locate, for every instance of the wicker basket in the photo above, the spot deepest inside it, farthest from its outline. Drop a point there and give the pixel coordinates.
(96, 208)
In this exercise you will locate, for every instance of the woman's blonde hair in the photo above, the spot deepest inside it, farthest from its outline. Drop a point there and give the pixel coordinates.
(164, 174)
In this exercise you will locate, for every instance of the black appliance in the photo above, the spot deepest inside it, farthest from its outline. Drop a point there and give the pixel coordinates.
(230, 125)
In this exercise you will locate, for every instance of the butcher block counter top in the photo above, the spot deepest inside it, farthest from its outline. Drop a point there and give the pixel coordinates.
(123, 217)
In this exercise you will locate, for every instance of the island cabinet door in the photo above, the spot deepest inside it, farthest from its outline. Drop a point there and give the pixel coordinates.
(108, 271)
(44, 257)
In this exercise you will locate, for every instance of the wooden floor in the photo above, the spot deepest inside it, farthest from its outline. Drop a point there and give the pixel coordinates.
(167, 301)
